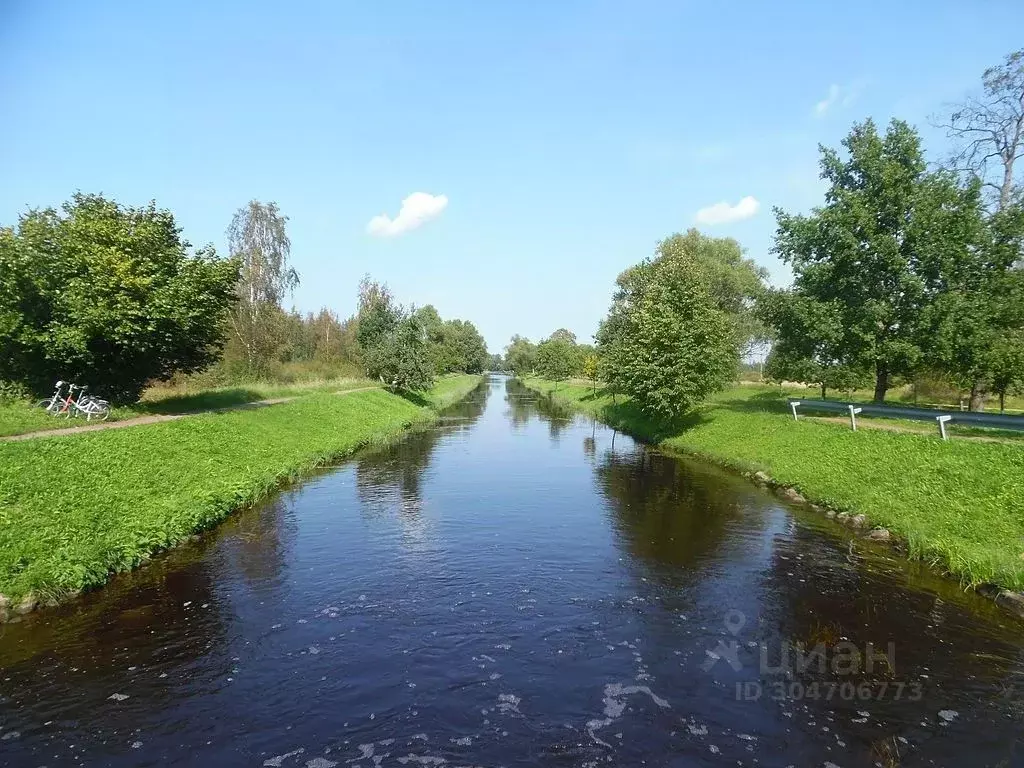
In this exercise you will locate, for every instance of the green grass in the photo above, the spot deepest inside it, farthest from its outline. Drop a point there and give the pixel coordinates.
(448, 390)
(898, 396)
(958, 504)
(76, 508)
(23, 416)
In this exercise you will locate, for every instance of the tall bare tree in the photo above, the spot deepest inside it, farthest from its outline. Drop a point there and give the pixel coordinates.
(257, 237)
(989, 129)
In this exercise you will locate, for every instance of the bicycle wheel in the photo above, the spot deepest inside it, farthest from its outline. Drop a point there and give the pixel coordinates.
(96, 411)
(46, 405)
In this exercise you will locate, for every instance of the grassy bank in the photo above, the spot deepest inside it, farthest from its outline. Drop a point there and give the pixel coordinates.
(77, 508)
(21, 416)
(957, 504)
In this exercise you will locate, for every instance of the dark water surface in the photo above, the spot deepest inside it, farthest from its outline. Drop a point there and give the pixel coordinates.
(517, 587)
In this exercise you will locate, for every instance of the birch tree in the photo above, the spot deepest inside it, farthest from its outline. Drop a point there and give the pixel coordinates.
(258, 239)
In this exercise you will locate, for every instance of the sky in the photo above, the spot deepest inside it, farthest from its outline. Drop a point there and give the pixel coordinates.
(503, 161)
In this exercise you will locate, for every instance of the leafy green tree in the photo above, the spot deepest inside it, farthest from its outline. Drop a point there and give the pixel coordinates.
(463, 347)
(108, 295)
(736, 282)
(556, 358)
(402, 357)
(521, 356)
(862, 255)
(564, 334)
(590, 368)
(667, 341)
(455, 345)
(495, 363)
(378, 314)
(808, 343)
(257, 238)
(1007, 366)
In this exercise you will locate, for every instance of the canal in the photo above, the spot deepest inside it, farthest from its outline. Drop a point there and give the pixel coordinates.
(518, 586)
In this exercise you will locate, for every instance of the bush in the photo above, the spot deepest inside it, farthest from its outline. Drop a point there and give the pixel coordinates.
(107, 295)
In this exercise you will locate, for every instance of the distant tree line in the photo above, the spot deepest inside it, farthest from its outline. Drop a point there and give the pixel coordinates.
(906, 272)
(113, 295)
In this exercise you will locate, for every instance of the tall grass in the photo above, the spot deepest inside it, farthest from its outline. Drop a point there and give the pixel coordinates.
(959, 504)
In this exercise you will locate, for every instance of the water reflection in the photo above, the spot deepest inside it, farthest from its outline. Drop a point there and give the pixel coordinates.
(392, 476)
(664, 509)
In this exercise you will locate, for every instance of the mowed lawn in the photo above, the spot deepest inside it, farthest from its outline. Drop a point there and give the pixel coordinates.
(76, 508)
(958, 504)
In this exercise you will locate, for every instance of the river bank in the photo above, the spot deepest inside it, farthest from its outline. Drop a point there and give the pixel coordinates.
(78, 508)
(955, 505)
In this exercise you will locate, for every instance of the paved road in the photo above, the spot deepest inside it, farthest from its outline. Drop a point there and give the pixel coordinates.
(156, 418)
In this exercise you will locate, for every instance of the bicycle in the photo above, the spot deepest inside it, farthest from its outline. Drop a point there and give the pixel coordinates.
(53, 404)
(87, 405)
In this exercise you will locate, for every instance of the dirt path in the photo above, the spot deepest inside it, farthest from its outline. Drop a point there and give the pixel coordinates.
(157, 418)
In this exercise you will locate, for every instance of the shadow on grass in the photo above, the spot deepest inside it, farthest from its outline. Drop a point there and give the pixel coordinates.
(202, 401)
(416, 398)
(630, 418)
(761, 402)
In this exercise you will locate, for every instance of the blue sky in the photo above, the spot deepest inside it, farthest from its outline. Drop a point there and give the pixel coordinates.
(566, 138)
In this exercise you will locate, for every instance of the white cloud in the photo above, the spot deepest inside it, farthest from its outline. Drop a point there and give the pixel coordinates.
(723, 213)
(838, 95)
(417, 209)
(828, 102)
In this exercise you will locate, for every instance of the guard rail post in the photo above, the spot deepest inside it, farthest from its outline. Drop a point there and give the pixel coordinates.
(942, 425)
(853, 417)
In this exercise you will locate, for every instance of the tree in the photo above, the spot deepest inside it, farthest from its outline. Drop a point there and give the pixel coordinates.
(591, 364)
(108, 295)
(667, 341)
(975, 295)
(863, 256)
(521, 356)
(1007, 366)
(808, 342)
(462, 347)
(556, 358)
(257, 238)
(736, 282)
(378, 314)
(564, 334)
(975, 316)
(990, 129)
(401, 359)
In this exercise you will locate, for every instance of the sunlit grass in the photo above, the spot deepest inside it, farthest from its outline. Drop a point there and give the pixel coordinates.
(23, 416)
(75, 508)
(957, 504)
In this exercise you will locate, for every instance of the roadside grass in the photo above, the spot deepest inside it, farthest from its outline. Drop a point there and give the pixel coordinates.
(77, 508)
(959, 505)
(899, 396)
